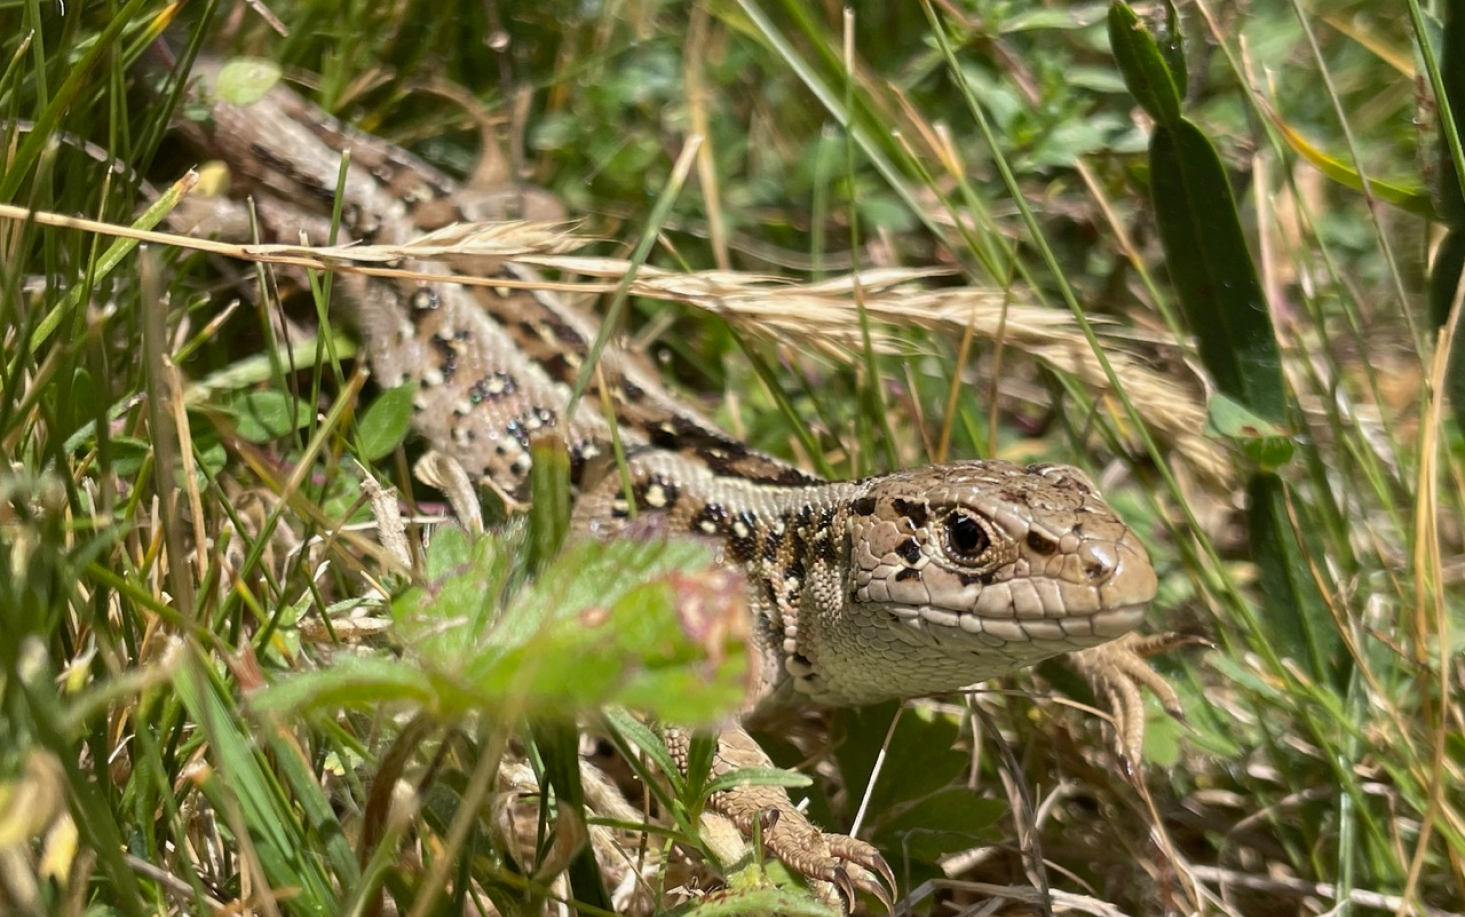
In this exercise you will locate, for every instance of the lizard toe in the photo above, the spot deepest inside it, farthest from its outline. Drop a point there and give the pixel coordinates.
(849, 864)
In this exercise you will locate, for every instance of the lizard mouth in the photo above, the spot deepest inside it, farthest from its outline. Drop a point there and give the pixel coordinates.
(1009, 633)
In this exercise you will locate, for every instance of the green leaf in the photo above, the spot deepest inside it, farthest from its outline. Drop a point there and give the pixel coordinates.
(1413, 200)
(646, 739)
(919, 758)
(653, 625)
(944, 822)
(1145, 71)
(245, 80)
(761, 899)
(1444, 283)
(549, 497)
(385, 422)
(558, 742)
(1303, 627)
(239, 781)
(1172, 48)
(263, 416)
(757, 776)
(1212, 270)
(1268, 444)
(356, 682)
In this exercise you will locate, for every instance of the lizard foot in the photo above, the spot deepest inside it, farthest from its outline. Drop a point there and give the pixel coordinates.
(847, 863)
(1119, 675)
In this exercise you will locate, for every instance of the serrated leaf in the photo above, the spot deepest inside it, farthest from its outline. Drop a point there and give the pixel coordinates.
(357, 682)
(385, 422)
(653, 625)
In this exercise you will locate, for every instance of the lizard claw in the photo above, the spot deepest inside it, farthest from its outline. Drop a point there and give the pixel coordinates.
(849, 864)
(876, 877)
(1117, 671)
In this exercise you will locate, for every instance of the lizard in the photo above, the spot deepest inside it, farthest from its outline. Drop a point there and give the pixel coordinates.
(912, 583)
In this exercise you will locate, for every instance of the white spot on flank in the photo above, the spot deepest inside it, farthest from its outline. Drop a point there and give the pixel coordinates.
(656, 496)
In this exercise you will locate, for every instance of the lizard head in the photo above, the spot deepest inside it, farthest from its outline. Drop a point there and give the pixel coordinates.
(991, 565)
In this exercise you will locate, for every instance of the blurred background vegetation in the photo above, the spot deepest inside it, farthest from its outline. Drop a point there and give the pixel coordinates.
(202, 701)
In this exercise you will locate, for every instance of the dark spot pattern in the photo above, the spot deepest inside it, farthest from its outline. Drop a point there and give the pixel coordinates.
(984, 579)
(907, 573)
(909, 551)
(447, 357)
(771, 543)
(864, 506)
(1041, 544)
(497, 384)
(742, 537)
(795, 572)
(653, 488)
(516, 430)
(915, 511)
(711, 520)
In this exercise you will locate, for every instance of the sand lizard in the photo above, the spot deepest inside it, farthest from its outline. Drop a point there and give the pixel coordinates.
(899, 585)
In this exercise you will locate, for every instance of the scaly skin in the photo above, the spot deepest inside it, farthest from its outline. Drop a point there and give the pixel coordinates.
(901, 585)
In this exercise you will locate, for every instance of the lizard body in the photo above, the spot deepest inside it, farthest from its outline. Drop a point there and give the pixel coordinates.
(899, 585)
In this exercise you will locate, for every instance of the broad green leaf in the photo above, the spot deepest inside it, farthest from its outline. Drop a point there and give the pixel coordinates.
(263, 416)
(944, 822)
(1212, 270)
(356, 682)
(920, 756)
(652, 625)
(245, 80)
(385, 422)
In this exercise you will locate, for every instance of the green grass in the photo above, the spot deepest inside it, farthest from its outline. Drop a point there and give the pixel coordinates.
(206, 701)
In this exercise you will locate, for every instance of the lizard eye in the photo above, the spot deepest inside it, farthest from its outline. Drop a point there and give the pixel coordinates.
(966, 538)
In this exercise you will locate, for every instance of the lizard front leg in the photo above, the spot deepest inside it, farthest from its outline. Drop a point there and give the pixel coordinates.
(846, 863)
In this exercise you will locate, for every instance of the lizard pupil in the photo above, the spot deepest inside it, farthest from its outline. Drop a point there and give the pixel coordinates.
(965, 535)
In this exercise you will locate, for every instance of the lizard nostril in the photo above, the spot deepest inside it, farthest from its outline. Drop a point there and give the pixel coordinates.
(1099, 561)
